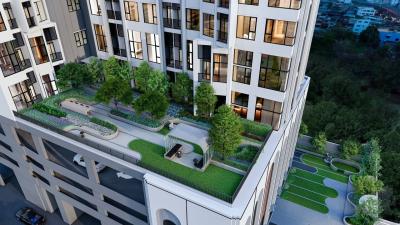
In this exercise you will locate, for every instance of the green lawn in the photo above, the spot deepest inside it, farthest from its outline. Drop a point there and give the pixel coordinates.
(213, 180)
(323, 168)
(312, 186)
(164, 131)
(305, 202)
(346, 167)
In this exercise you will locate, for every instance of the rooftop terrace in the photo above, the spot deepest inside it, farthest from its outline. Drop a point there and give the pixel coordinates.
(142, 140)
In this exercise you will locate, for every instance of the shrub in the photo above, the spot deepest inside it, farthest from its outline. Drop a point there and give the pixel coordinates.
(319, 142)
(350, 148)
(155, 103)
(104, 123)
(205, 100)
(137, 119)
(255, 128)
(367, 185)
(303, 128)
(371, 158)
(181, 89)
(367, 213)
(49, 110)
(246, 153)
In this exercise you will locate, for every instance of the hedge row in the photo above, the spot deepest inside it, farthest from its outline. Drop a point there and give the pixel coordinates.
(103, 123)
(137, 119)
(255, 128)
(49, 110)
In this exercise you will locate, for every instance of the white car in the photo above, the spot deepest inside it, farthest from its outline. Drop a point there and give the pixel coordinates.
(78, 159)
(123, 175)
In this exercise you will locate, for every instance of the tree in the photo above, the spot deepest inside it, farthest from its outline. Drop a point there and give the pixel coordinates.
(141, 76)
(370, 36)
(303, 128)
(225, 132)
(350, 148)
(367, 185)
(72, 75)
(116, 90)
(116, 68)
(181, 89)
(367, 212)
(148, 80)
(153, 102)
(319, 142)
(371, 158)
(95, 69)
(205, 100)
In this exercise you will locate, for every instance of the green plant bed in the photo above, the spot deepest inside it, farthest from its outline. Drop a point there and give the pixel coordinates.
(307, 194)
(232, 163)
(255, 128)
(137, 119)
(103, 123)
(307, 175)
(214, 180)
(246, 153)
(324, 169)
(305, 202)
(49, 110)
(78, 94)
(164, 131)
(312, 186)
(346, 167)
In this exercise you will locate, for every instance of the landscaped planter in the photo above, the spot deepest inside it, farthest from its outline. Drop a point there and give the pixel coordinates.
(349, 163)
(92, 132)
(152, 129)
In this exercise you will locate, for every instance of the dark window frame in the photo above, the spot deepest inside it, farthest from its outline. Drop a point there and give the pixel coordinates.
(268, 34)
(80, 38)
(100, 37)
(131, 15)
(191, 22)
(155, 46)
(189, 50)
(150, 19)
(73, 5)
(275, 110)
(267, 71)
(132, 44)
(251, 31)
(208, 30)
(242, 66)
(220, 62)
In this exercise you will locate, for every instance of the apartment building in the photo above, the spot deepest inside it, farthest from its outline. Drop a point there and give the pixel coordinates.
(254, 54)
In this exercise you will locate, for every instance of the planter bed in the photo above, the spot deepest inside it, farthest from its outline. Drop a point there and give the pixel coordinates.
(144, 123)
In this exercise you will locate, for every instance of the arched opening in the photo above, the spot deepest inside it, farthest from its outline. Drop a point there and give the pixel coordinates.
(166, 217)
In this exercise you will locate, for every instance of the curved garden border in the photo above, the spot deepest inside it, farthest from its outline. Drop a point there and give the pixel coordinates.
(350, 163)
(353, 205)
(91, 132)
(152, 129)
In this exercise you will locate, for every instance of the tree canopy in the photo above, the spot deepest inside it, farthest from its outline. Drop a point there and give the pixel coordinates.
(205, 100)
(182, 88)
(73, 75)
(150, 80)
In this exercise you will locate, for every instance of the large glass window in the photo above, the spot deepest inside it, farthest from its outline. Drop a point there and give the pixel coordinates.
(41, 12)
(49, 85)
(172, 15)
(2, 24)
(269, 112)
(240, 103)
(39, 50)
(223, 23)
(150, 13)
(220, 68)
(280, 32)
(135, 44)
(80, 38)
(11, 59)
(246, 27)
(153, 47)
(248, 2)
(189, 50)
(273, 72)
(289, 4)
(242, 63)
(28, 11)
(24, 94)
(100, 38)
(192, 19)
(224, 4)
(208, 25)
(10, 15)
(131, 11)
(95, 7)
(73, 5)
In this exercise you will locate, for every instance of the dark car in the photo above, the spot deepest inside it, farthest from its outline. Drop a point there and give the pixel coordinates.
(29, 216)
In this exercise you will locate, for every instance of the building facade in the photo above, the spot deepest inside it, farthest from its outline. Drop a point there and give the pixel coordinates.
(254, 54)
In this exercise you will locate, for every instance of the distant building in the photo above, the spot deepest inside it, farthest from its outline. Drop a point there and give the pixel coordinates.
(366, 11)
(394, 2)
(387, 35)
(374, 1)
(345, 1)
(360, 25)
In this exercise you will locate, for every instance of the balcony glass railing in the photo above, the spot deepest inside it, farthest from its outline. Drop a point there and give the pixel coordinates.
(57, 56)
(114, 15)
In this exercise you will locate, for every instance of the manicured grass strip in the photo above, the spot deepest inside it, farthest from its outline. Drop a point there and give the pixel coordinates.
(214, 179)
(334, 176)
(305, 202)
(312, 186)
(323, 168)
(309, 176)
(307, 194)
(346, 167)
(104, 123)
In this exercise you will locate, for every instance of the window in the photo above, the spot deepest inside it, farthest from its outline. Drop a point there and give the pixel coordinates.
(153, 47)
(269, 112)
(189, 55)
(135, 44)
(28, 11)
(12, 59)
(100, 38)
(39, 50)
(240, 103)
(6, 146)
(49, 85)
(289, 4)
(209, 1)
(220, 68)
(192, 19)
(223, 23)
(131, 11)
(95, 7)
(77, 198)
(242, 62)
(23, 94)
(80, 38)
(208, 25)
(73, 5)
(2, 24)
(224, 4)
(248, 2)
(246, 27)
(10, 15)
(25, 138)
(150, 13)
(280, 32)
(41, 12)
(273, 72)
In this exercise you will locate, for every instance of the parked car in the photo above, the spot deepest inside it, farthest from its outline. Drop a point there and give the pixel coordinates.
(78, 159)
(124, 175)
(29, 216)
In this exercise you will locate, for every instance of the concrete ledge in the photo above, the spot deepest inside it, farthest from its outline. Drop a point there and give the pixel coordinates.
(92, 132)
(350, 163)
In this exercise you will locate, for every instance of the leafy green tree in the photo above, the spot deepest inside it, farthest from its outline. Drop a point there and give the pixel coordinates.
(205, 100)
(371, 158)
(153, 102)
(367, 185)
(303, 128)
(73, 75)
(225, 133)
(319, 143)
(95, 69)
(367, 212)
(148, 80)
(141, 76)
(113, 89)
(350, 148)
(181, 89)
(370, 36)
(117, 68)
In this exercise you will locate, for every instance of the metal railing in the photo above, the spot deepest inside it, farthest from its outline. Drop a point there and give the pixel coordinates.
(13, 23)
(56, 56)
(172, 23)
(115, 15)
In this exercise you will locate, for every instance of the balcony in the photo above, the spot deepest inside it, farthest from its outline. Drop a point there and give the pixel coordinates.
(12, 69)
(114, 15)
(57, 56)
(172, 23)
